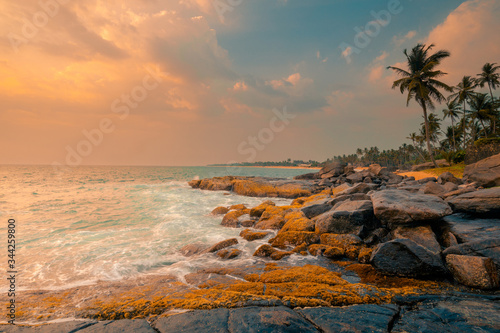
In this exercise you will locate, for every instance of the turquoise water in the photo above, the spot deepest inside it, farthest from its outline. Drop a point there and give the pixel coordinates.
(110, 223)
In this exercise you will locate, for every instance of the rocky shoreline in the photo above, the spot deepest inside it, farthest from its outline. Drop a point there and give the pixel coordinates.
(367, 251)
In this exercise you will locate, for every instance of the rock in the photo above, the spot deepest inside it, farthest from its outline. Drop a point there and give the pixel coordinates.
(459, 191)
(332, 168)
(357, 188)
(334, 252)
(317, 249)
(426, 180)
(422, 235)
(63, 327)
(202, 279)
(489, 248)
(294, 238)
(404, 257)
(449, 315)
(267, 319)
(238, 207)
(228, 253)
(315, 210)
(430, 165)
(377, 170)
(216, 184)
(379, 235)
(448, 177)
(250, 235)
(394, 207)
(365, 255)
(479, 203)
(346, 217)
(248, 223)
(449, 239)
(273, 223)
(354, 318)
(475, 272)
(356, 177)
(199, 321)
(264, 251)
(476, 230)
(221, 245)
(124, 325)
(220, 211)
(433, 188)
(296, 221)
(192, 249)
(307, 176)
(258, 210)
(234, 218)
(485, 173)
(278, 255)
(343, 241)
(450, 187)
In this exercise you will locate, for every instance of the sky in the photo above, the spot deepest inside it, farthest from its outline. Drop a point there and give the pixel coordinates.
(197, 82)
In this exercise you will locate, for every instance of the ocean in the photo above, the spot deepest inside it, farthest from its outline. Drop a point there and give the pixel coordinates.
(107, 223)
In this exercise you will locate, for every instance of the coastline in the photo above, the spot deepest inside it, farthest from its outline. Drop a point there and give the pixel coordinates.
(264, 167)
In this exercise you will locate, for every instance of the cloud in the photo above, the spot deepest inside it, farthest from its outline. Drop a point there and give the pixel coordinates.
(467, 33)
(398, 41)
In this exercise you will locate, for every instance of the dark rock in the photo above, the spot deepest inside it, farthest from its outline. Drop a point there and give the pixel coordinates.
(307, 176)
(426, 180)
(221, 245)
(357, 188)
(379, 235)
(65, 327)
(315, 210)
(485, 173)
(354, 318)
(404, 257)
(192, 249)
(476, 272)
(200, 321)
(250, 235)
(467, 230)
(479, 203)
(450, 315)
(393, 207)
(448, 177)
(354, 178)
(450, 187)
(489, 248)
(346, 217)
(275, 319)
(334, 168)
(200, 279)
(264, 251)
(117, 326)
(461, 190)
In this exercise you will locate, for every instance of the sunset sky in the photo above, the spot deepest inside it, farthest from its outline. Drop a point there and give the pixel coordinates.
(194, 82)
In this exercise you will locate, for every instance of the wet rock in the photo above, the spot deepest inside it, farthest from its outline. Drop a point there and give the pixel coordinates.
(200, 321)
(193, 249)
(449, 315)
(354, 318)
(275, 319)
(294, 238)
(278, 255)
(317, 249)
(422, 235)
(466, 230)
(259, 210)
(250, 235)
(125, 325)
(220, 211)
(297, 221)
(394, 207)
(365, 255)
(404, 257)
(201, 279)
(273, 223)
(346, 217)
(234, 218)
(343, 241)
(448, 177)
(472, 271)
(334, 252)
(264, 251)
(228, 253)
(221, 245)
(485, 173)
(248, 223)
(479, 203)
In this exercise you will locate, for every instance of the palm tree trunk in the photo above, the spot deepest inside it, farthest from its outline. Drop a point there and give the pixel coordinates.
(427, 138)
(484, 128)
(453, 131)
(465, 132)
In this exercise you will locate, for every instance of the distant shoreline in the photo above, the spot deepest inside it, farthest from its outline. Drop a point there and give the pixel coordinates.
(264, 166)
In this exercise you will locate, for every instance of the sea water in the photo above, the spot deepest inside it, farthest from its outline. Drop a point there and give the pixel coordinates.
(108, 223)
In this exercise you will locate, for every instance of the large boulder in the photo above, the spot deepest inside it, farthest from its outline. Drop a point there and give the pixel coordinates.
(472, 271)
(448, 177)
(422, 235)
(483, 202)
(332, 169)
(394, 207)
(346, 217)
(485, 173)
(404, 257)
(222, 245)
(488, 247)
(315, 210)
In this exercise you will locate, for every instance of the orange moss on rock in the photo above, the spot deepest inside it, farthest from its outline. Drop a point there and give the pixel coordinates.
(294, 238)
(341, 240)
(220, 210)
(296, 221)
(272, 223)
(307, 273)
(250, 235)
(257, 211)
(365, 254)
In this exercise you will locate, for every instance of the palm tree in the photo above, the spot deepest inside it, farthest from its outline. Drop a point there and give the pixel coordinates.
(416, 140)
(464, 91)
(434, 127)
(482, 109)
(488, 76)
(451, 112)
(420, 81)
